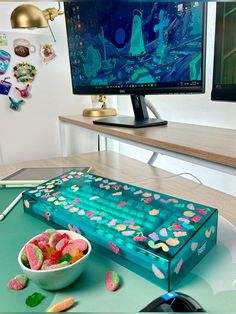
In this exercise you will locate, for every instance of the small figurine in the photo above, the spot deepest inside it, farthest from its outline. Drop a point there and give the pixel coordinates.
(47, 53)
(24, 92)
(14, 104)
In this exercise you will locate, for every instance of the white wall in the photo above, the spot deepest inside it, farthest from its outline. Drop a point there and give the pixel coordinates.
(195, 109)
(33, 132)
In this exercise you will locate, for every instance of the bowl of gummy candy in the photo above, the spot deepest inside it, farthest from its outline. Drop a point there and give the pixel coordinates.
(54, 259)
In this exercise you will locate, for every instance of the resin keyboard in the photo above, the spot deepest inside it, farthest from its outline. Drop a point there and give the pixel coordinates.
(153, 231)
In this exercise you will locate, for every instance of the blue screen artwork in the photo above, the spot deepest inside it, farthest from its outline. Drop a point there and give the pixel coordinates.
(135, 44)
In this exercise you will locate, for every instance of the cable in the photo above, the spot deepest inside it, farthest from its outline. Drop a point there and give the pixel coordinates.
(152, 108)
(169, 177)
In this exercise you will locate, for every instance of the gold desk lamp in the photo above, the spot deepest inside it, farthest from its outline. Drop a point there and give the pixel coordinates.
(100, 112)
(30, 16)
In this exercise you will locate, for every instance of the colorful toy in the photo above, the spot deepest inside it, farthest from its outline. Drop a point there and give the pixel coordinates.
(112, 281)
(158, 236)
(5, 58)
(24, 92)
(18, 283)
(24, 72)
(14, 104)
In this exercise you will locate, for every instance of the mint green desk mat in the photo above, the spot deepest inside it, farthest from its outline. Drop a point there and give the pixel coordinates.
(212, 282)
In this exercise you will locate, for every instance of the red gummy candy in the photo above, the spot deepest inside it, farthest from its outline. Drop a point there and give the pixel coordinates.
(15, 284)
(55, 256)
(34, 255)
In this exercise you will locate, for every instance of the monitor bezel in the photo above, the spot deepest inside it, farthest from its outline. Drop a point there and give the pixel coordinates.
(151, 91)
(221, 92)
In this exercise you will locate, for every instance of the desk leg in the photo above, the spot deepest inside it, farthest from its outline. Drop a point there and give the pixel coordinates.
(152, 158)
(62, 135)
(99, 143)
(102, 141)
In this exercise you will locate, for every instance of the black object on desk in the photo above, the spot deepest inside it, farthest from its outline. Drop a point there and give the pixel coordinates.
(174, 302)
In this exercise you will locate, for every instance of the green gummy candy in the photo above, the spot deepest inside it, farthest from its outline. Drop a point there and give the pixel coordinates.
(24, 259)
(34, 299)
(115, 278)
(65, 258)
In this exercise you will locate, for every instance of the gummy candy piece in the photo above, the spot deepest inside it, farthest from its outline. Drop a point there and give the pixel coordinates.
(55, 256)
(18, 283)
(75, 253)
(62, 305)
(34, 255)
(112, 281)
(54, 238)
(55, 266)
(66, 257)
(34, 299)
(81, 244)
(61, 244)
(46, 263)
(24, 259)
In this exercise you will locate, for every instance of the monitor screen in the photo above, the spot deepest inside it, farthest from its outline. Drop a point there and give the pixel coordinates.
(224, 73)
(136, 47)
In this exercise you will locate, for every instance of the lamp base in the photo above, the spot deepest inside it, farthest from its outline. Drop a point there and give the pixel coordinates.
(99, 112)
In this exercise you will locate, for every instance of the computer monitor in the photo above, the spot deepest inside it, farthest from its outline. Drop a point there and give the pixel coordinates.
(136, 47)
(224, 72)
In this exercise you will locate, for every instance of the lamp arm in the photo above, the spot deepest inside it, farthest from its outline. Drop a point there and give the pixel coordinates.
(51, 13)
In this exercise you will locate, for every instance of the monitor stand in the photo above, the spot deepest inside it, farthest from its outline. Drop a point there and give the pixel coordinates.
(140, 120)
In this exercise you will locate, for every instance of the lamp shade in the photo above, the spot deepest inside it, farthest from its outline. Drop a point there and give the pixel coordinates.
(28, 16)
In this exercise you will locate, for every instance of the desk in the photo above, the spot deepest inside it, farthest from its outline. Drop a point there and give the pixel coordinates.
(90, 292)
(206, 146)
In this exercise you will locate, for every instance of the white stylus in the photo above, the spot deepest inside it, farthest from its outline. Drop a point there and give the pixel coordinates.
(10, 206)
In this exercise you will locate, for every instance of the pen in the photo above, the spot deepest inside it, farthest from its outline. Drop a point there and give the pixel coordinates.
(10, 207)
(20, 183)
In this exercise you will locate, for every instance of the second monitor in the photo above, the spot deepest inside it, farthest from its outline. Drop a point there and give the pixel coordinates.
(136, 48)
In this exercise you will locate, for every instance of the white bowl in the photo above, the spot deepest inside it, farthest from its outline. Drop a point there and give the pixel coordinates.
(55, 279)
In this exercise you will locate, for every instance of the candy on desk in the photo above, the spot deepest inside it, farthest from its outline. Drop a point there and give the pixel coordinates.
(34, 255)
(62, 306)
(34, 299)
(19, 282)
(112, 281)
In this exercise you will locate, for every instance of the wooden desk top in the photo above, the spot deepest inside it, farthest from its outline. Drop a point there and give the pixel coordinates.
(119, 167)
(213, 144)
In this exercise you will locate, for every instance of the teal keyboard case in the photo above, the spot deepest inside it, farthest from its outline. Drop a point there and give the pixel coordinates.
(158, 236)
